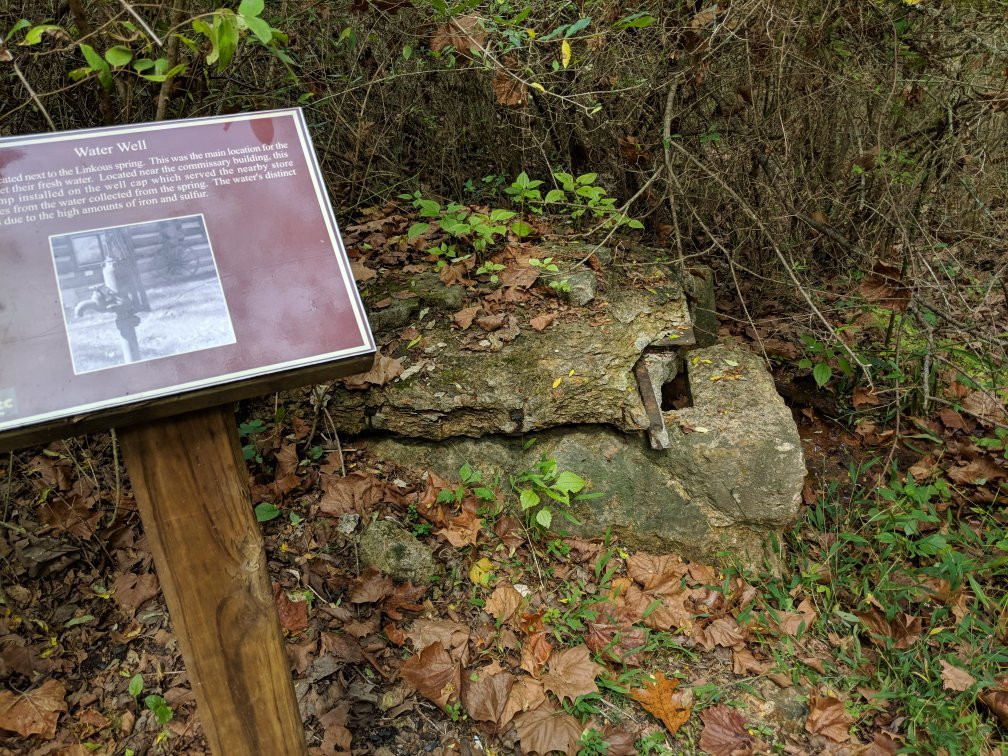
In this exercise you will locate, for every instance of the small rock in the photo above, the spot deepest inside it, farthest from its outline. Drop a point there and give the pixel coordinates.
(582, 288)
(397, 552)
(348, 523)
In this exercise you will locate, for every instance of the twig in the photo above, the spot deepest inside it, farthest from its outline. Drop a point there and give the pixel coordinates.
(500, 66)
(623, 215)
(33, 95)
(118, 476)
(744, 206)
(173, 50)
(146, 27)
(666, 147)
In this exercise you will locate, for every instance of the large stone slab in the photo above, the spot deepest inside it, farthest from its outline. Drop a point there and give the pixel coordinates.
(731, 475)
(464, 387)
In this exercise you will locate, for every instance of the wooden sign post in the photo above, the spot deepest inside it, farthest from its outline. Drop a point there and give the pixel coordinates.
(153, 275)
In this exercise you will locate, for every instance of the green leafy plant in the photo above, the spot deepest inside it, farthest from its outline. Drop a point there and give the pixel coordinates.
(265, 511)
(592, 743)
(544, 483)
(581, 196)
(161, 710)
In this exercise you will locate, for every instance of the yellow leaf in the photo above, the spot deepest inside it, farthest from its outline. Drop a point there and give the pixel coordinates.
(571, 373)
(537, 86)
(557, 382)
(480, 572)
(565, 53)
(531, 33)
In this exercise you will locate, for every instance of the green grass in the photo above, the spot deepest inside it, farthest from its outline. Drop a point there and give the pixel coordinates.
(888, 548)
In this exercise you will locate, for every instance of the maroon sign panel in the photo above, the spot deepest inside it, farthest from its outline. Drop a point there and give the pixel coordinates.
(149, 262)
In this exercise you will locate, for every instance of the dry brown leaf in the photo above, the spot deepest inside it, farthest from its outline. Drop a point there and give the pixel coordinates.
(385, 369)
(526, 694)
(453, 636)
(492, 322)
(661, 699)
(535, 651)
(978, 472)
(541, 322)
(723, 631)
(952, 420)
(904, 629)
(984, 407)
(724, 733)
(503, 602)
(617, 643)
(355, 492)
(660, 574)
(864, 397)
(543, 730)
(370, 587)
(670, 613)
(462, 529)
(510, 91)
(955, 678)
(130, 590)
(464, 317)
(828, 717)
(883, 286)
(486, 697)
(34, 712)
(744, 663)
(434, 674)
(293, 614)
(571, 673)
(73, 514)
(361, 272)
(996, 699)
(463, 33)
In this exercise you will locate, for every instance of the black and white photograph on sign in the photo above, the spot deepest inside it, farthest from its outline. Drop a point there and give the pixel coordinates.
(140, 292)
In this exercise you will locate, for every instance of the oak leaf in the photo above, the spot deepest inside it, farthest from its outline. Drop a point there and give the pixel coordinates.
(525, 694)
(130, 590)
(34, 712)
(355, 492)
(661, 699)
(571, 673)
(464, 317)
(543, 730)
(293, 614)
(510, 91)
(385, 369)
(434, 674)
(370, 587)
(541, 322)
(503, 602)
(660, 574)
(486, 696)
(955, 678)
(535, 651)
(724, 733)
(828, 716)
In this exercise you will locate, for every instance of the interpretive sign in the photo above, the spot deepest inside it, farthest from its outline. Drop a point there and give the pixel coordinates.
(151, 269)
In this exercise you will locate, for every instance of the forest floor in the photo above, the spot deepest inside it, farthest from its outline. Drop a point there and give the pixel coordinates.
(883, 631)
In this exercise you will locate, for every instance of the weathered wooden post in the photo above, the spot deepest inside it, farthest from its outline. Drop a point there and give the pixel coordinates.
(282, 311)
